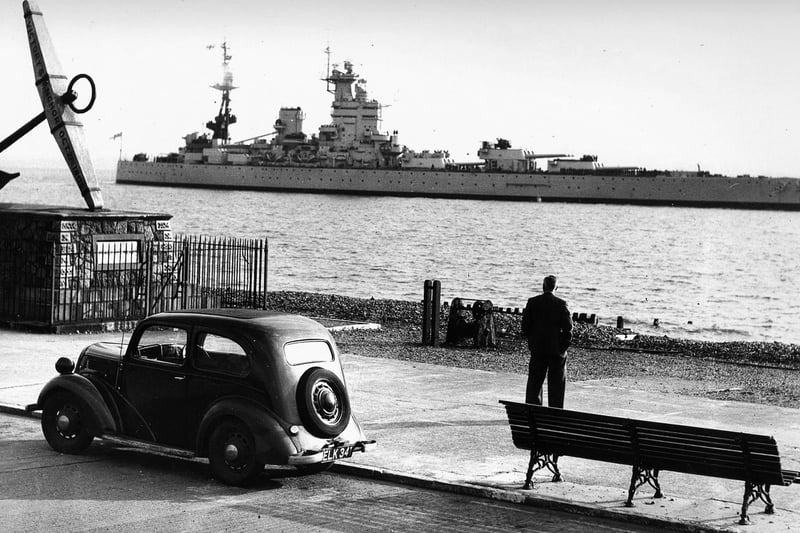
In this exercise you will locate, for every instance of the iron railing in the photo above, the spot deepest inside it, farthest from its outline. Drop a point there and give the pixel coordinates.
(56, 284)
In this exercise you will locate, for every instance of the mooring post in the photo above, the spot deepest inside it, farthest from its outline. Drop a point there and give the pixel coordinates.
(427, 293)
(436, 312)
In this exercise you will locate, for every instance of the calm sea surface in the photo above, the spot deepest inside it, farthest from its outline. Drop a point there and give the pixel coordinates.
(712, 274)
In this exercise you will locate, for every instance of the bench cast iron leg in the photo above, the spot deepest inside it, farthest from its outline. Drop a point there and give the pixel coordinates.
(753, 492)
(529, 475)
(539, 461)
(656, 485)
(556, 472)
(639, 477)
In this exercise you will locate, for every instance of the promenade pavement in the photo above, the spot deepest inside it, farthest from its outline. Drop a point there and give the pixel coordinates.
(443, 428)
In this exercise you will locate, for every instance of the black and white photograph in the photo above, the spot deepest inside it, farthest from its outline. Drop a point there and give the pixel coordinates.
(400, 266)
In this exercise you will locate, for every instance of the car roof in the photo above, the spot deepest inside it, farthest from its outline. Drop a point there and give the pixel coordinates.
(273, 323)
(233, 312)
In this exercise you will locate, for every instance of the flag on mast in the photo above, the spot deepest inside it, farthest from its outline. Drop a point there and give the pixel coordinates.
(116, 136)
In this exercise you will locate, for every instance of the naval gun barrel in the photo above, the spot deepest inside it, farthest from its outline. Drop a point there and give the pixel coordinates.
(543, 156)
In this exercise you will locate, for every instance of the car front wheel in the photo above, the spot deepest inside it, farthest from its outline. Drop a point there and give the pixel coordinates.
(232, 454)
(64, 423)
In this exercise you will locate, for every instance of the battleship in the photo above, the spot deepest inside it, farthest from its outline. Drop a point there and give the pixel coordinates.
(351, 155)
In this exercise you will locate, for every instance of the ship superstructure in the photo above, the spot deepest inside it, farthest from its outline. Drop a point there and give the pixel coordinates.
(351, 155)
(352, 138)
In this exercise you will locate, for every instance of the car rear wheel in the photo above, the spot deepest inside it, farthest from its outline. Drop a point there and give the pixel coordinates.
(323, 402)
(232, 454)
(64, 423)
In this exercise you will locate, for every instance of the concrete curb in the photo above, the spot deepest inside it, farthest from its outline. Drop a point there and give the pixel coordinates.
(475, 490)
(19, 411)
(510, 496)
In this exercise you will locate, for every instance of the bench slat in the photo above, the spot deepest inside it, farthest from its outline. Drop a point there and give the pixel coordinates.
(554, 441)
(757, 467)
(573, 433)
(549, 421)
(729, 438)
(710, 454)
(623, 437)
(700, 432)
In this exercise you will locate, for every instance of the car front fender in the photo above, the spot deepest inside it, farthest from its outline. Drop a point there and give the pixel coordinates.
(273, 443)
(99, 419)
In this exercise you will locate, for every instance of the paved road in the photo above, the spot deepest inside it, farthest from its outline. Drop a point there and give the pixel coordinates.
(111, 488)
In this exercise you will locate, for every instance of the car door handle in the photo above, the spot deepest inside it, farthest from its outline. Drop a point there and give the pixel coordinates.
(179, 378)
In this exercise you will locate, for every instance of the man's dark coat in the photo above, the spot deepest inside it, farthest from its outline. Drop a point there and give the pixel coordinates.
(547, 323)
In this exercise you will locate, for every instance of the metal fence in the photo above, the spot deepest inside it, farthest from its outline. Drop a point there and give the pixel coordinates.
(56, 284)
(221, 273)
(25, 272)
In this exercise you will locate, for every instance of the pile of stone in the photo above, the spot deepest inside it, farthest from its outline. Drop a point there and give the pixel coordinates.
(408, 315)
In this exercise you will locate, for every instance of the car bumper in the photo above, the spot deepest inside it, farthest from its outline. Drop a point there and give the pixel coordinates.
(320, 456)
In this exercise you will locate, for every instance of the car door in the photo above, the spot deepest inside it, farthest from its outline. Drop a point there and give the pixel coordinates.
(219, 368)
(153, 381)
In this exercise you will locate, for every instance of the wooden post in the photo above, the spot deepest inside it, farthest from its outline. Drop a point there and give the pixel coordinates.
(436, 312)
(427, 293)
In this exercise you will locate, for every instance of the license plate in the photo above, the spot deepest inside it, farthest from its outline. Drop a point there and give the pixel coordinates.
(339, 452)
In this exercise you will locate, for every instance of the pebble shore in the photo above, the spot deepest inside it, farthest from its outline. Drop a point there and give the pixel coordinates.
(758, 372)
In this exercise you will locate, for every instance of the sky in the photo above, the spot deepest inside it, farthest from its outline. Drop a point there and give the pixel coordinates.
(662, 85)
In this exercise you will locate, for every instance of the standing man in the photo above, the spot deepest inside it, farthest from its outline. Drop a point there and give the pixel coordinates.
(547, 324)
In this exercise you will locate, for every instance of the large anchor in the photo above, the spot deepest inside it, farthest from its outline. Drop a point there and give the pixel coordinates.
(58, 101)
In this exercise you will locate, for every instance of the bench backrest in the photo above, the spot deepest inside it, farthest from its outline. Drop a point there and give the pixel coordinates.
(673, 447)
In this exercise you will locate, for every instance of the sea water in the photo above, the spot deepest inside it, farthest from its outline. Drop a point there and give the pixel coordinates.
(702, 273)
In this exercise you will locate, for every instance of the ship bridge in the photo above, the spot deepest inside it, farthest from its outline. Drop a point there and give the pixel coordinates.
(354, 116)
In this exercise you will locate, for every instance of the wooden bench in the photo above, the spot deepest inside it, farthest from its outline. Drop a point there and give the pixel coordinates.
(648, 447)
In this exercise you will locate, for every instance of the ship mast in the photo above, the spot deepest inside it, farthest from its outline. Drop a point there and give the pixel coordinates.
(224, 117)
(328, 70)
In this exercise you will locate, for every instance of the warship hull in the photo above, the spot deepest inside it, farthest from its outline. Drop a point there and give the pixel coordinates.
(666, 189)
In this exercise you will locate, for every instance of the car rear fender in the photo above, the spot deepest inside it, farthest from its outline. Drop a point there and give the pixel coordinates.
(272, 439)
(98, 415)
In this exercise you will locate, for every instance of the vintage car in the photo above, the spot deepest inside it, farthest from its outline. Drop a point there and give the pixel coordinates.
(242, 387)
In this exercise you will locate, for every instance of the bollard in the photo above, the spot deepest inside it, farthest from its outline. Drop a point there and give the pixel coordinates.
(427, 293)
(620, 322)
(431, 311)
(436, 311)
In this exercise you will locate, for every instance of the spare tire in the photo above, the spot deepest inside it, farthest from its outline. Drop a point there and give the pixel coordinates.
(323, 403)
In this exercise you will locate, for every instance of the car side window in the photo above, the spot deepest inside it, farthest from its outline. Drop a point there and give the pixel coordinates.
(218, 353)
(164, 344)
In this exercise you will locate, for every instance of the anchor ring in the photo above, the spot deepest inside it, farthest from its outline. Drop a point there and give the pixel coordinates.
(71, 98)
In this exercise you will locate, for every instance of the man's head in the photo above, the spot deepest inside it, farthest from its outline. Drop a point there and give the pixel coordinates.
(550, 284)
